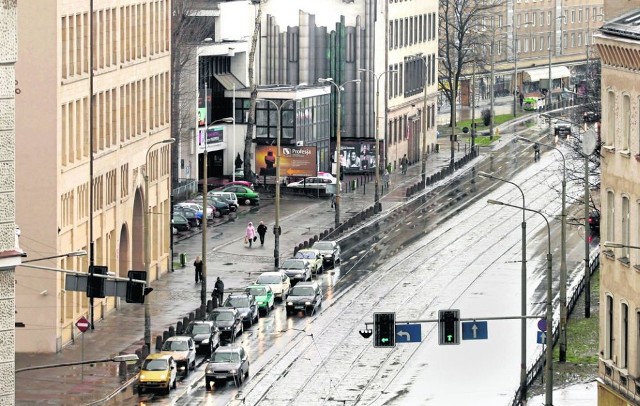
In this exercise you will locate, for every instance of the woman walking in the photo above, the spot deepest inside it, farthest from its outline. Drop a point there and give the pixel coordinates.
(198, 265)
(250, 235)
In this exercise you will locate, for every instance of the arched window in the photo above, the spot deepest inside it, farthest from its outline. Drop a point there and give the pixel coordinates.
(626, 122)
(609, 138)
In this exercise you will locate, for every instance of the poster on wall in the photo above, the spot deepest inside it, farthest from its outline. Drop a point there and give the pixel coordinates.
(358, 156)
(294, 161)
(214, 137)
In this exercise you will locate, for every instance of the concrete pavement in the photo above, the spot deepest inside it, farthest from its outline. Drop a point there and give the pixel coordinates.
(176, 294)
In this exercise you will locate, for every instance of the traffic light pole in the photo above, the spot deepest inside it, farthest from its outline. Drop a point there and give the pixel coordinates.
(479, 318)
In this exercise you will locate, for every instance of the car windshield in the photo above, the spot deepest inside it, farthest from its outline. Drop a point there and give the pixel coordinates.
(302, 291)
(293, 265)
(198, 329)
(257, 291)
(175, 346)
(154, 365)
(237, 302)
(226, 357)
(306, 255)
(222, 316)
(323, 246)
(266, 279)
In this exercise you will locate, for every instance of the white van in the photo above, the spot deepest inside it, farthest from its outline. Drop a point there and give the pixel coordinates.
(228, 196)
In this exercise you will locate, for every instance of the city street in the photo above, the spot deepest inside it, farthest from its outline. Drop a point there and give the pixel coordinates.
(469, 259)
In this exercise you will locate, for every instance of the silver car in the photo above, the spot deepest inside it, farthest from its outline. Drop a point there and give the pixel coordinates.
(228, 362)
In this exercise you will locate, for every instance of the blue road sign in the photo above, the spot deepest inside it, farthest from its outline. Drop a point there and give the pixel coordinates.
(475, 330)
(542, 324)
(541, 337)
(408, 333)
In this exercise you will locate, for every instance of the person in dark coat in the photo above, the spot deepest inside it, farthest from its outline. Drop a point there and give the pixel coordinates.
(198, 265)
(262, 231)
(536, 152)
(218, 292)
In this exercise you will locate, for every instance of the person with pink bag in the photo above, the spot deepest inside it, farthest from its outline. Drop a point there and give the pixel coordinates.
(250, 235)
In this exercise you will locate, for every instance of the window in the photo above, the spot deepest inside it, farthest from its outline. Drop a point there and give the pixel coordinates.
(626, 226)
(390, 34)
(401, 33)
(610, 235)
(548, 17)
(626, 122)
(608, 350)
(609, 138)
(624, 335)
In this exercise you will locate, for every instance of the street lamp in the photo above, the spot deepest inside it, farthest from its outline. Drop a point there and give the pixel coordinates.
(128, 358)
(205, 206)
(523, 297)
(549, 333)
(147, 245)
(276, 227)
(79, 253)
(339, 89)
(377, 77)
(563, 253)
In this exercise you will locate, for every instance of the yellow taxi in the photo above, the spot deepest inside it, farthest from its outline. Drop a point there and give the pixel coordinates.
(158, 372)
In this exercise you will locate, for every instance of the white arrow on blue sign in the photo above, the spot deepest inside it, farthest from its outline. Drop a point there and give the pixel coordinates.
(541, 337)
(408, 333)
(475, 330)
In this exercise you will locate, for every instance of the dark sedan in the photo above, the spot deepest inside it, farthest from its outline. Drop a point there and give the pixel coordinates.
(228, 321)
(305, 296)
(298, 270)
(205, 334)
(246, 305)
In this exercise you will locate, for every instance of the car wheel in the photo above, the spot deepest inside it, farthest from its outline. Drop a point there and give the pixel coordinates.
(246, 374)
(239, 379)
(208, 384)
(247, 202)
(217, 214)
(257, 319)
(250, 322)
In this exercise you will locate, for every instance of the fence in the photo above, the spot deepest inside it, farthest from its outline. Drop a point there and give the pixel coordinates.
(186, 188)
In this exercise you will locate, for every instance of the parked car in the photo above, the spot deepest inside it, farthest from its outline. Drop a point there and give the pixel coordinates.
(245, 194)
(158, 372)
(183, 351)
(220, 205)
(297, 270)
(278, 281)
(330, 251)
(264, 297)
(590, 117)
(194, 218)
(228, 362)
(180, 222)
(228, 321)
(230, 198)
(314, 183)
(198, 207)
(205, 334)
(305, 296)
(246, 305)
(313, 256)
(219, 208)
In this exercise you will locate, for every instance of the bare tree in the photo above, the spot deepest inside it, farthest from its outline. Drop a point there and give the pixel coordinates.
(187, 29)
(248, 140)
(458, 39)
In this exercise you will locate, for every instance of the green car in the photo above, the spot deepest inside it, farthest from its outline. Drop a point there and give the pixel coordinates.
(265, 299)
(245, 195)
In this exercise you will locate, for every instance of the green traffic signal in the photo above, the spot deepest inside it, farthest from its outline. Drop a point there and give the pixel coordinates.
(449, 327)
(384, 329)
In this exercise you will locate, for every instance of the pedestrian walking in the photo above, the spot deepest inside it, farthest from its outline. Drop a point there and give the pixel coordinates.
(385, 180)
(403, 164)
(198, 265)
(218, 293)
(262, 231)
(536, 152)
(250, 235)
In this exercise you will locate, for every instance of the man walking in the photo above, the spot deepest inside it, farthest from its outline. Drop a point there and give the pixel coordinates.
(403, 164)
(536, 152)
(218, 292)
(262, 231)
(198, 266)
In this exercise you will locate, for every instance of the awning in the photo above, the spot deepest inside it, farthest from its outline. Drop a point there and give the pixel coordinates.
(227, 81)
(557, 72)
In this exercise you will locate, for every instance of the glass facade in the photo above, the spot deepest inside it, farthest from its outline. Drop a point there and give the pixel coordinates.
(306, 120)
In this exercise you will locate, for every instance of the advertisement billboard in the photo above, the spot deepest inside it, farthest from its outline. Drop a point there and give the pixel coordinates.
(294, 161)
(358, 156)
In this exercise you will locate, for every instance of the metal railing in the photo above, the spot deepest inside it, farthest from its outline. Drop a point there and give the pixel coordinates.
(185, 189)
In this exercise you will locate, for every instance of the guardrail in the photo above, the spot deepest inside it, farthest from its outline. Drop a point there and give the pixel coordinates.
(186, 188)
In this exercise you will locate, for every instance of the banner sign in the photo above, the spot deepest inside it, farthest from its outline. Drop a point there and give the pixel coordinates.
(294, 161)
(359, 156)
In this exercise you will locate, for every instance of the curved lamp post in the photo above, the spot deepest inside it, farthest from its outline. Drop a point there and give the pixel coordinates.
(548, 371)
(147, 244)
(79, 253)
(377, 77)
(563, 254)
(276, 227)
(523, 297)
(339, 89)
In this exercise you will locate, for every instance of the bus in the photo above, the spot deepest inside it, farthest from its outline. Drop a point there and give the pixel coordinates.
(533, 103)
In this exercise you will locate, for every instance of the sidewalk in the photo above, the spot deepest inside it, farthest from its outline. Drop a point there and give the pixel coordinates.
(176, 295)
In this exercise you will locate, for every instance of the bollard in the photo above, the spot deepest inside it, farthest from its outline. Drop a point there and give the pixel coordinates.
(172, 331)
(192, 316)
(185, 322)
(198, 314)
(305, 244)
(210, 304)
(179, 329)
(183, 259)
(165, 336)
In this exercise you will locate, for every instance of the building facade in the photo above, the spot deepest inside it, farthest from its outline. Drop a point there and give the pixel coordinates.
(93, 118)
(618, 44)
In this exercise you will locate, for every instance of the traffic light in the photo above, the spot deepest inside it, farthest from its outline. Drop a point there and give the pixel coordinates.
(136, 290)
(449, 327)
(384, 330)
(95, 285)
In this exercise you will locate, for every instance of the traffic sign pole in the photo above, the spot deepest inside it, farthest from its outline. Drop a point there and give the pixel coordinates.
(83, 325)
